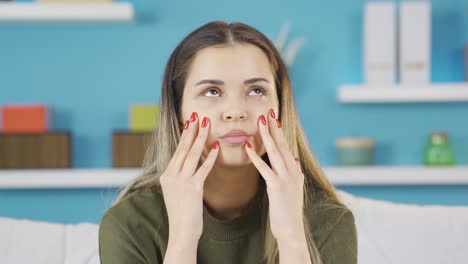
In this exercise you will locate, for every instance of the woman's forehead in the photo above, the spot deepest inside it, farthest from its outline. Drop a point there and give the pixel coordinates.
(237, 61)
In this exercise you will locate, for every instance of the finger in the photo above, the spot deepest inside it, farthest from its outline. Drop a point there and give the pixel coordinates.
(273, 154)
(185, 143)
(262, 167)
(298, 163)
(207, 165)
(276, 132)
(193, 157)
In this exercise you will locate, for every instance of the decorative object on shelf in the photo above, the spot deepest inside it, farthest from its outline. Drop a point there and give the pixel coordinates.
(128, 148)
(413, 51)
(143, 117)
(355, 150)
(380, 43)
(24, 118)
(26, 142)
(289, 52)
(415, 42)
(439, 151)
(35, 150)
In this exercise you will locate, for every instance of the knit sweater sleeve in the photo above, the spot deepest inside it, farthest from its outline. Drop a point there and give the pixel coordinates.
(340, 247)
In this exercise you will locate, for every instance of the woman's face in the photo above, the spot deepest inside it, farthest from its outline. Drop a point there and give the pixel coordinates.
(233, 86)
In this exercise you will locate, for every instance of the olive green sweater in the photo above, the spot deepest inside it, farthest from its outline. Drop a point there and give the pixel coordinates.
(136, 231)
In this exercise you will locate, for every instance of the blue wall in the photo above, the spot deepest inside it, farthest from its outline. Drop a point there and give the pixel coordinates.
(90, 73)
(88, 205)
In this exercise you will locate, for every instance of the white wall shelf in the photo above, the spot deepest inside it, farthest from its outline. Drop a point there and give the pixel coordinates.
(357, 176)
(65, 178)
(72, 12)
(398, 175)
(436, 92)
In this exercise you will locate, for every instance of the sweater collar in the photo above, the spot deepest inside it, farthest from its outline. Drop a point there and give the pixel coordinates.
(248, 222)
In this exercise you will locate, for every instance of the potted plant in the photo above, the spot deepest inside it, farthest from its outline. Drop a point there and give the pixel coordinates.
(288, 50)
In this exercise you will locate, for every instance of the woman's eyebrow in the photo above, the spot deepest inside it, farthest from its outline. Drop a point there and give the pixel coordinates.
(219, 82)
(254, 80)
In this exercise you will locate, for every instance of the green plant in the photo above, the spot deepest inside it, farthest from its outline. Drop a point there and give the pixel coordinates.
(288, 52)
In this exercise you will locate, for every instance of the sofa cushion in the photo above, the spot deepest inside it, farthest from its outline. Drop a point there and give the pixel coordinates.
(408, 233)
(82, 244)
(26, 241)
(387, 233)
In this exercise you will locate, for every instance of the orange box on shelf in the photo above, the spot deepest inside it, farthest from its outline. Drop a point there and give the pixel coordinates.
(24, 118)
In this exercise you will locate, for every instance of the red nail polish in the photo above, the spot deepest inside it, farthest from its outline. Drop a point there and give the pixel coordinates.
(278, 123)
(272, 113)
(262, 118)
(186, 124)
(216, 145)
(296, 159)
(204, 122)
(193, 117)
(248, 144)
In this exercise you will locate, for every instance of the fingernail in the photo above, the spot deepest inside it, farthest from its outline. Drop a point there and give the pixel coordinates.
(262, 118)
(278, 124)
(193, 117)
(204, 122)
(248, 144)
(186, 124)
(216, 145)
(296, 159)
(272, 113)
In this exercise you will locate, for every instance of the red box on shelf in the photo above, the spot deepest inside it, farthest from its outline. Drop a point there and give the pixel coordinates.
(24, 118)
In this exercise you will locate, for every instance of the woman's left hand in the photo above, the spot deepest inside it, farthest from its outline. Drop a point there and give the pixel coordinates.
(284, 181)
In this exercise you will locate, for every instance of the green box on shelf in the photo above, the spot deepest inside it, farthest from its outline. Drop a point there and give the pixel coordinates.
(143, 117)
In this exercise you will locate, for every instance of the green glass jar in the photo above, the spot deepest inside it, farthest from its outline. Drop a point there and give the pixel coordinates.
(439, 151)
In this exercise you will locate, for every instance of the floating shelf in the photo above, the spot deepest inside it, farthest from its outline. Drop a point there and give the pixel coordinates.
(441, 92)
(358, 176)
(84, 12)
(66, 178)
(397, 175)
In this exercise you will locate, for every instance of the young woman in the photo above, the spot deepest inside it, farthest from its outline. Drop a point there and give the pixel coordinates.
(229, 176)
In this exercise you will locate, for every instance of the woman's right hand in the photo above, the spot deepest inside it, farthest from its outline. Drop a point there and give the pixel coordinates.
(183, 187)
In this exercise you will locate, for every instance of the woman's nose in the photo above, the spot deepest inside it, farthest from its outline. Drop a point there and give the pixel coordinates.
(234, 115)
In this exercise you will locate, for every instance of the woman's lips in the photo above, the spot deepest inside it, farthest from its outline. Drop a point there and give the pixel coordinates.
(235, 140)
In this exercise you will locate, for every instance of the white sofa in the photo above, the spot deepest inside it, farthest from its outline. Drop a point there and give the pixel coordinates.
(387, 233)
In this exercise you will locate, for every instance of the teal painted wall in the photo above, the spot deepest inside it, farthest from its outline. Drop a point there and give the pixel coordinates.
(90, 73)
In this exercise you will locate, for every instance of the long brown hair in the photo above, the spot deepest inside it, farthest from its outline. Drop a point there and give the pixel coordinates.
(166, 137)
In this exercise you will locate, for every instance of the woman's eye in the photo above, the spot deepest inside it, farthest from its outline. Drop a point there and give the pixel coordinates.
(257, 90)
(215, 92)
(209, 90)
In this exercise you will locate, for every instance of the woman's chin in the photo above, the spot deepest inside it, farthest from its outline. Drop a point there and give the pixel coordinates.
(233, 156)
